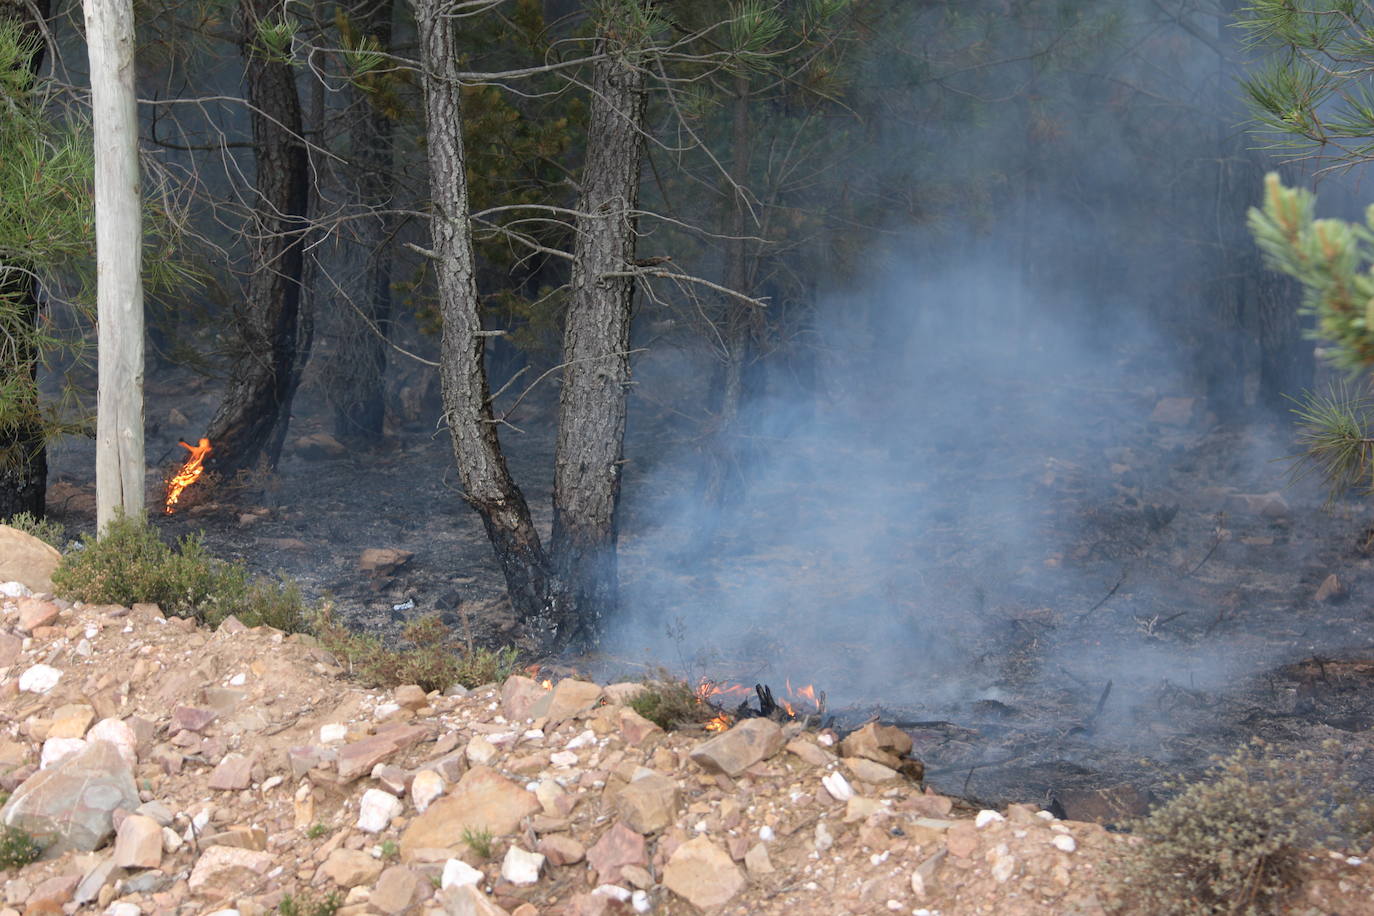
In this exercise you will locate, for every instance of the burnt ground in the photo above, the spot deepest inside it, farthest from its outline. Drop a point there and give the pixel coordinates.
(980, 578)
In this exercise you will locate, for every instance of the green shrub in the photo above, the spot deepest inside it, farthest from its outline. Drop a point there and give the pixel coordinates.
(308, 905)
(131, 564)
(1232, 842)
(479, 841)
(429, 657)
(670, 703)
(52, 533)
(17, 847)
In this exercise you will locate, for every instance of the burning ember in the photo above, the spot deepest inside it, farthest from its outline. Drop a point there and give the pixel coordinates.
(533, 671)
(190, 471)
(708, 690)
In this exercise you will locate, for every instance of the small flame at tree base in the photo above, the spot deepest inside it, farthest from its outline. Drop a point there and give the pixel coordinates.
(190, 471)
(707, 691)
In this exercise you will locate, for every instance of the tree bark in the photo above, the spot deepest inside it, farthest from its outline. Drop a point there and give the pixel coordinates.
(23, 447)
(359, 363)
(487, 483)
(596, 341)
(250, 425)
(119, 462)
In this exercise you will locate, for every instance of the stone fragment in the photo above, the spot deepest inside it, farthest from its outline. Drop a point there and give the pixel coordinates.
(520, 866)
(376, 810)
(482, 800)
(333, 733)
(1332, 589)
(11, 647)
(838, 787)
(734, 751)
(621, 694)
(52, 895)
(570, 698)
(396, 891)
(648, 803)
(480, 751)
(358, 758)
(866, 770)
(94, 878)
(813, 754)
(961, 839)
(410, 696)
(467, 900)
(39, 679)
(71, 721)
(73, 801)
(119, 733)
(233, 773)
(1110, 807)
(24, 558)
(34, 613)
(351, 867)
(635, 730)
(702, 873)
(56, 749)
(561, 849)
(383, 561)
(757, 861)
(458, 873)
(192, 718)
(518, 694)
(138, 843)
(222, 871)
(425, 788)
(618, 847)
(883, 744)
(242, 837)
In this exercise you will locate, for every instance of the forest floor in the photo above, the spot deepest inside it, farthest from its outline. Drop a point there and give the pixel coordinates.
(1085, 586)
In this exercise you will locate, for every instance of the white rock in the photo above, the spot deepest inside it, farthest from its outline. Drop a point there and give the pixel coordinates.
(121, 908)
(272, 782)
(480, 751)
(425, 788)
(613, 891)
(838, 787)
(376, 809)
(563, 759)
(640, 901)
(14, 590)
(333, 733)
(171, 842)
(387, 709)
(585, 739)
(39, 679)
(120, 734)
(520, 867)
(1004, 864)
(985, 817)
(457, 873)
(766, 834)
(534, 734)
(1064, 843)
(54, 749)
(238, 680)
(823, 838)
(83, 648)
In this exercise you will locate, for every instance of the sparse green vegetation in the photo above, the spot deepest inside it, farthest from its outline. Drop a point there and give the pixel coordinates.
(52, 533)
(390, 849)
(1232, 842)
(670, 703)
(17, 847)
(479, 841)
(430, 656)
(308, 905)
(316, 831)
(131, 563)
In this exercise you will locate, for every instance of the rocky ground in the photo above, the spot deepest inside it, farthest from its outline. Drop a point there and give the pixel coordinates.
(181, 770)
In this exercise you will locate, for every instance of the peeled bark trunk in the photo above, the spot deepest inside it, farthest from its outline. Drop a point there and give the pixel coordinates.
(359, 363)
(487, 483)
(591, 417)
(250, 426)
(23, 447)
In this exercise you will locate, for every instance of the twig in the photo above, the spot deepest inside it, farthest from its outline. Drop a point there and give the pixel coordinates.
(1219, 535)
(1105, 598)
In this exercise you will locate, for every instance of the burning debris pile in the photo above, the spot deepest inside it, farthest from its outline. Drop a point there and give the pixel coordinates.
(806, 699)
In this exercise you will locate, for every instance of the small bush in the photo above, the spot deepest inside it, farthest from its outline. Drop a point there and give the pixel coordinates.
(52, 533)
(670, 703)
(1232, 842)
(316, 831)
(431, 657)
(479, 841)
(308, 905)
(131, 564)
(17, 847)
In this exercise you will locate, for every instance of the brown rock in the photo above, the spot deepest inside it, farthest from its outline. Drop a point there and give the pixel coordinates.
(138, 844)
(73, 801)
(383, 561)
(518, 694)
(24, 558)
(1110, 807)
(34, 613)
(617, 847)
(52, 894)
(561, 849)
(466, 900)
(757, 861)
(961, 839)
(866, 770)
(71, 721)
(349, 868)
(622, 693)
(880, 743)
(192, 718)
(232, 774)
(410, 696)
(702, 873)
(635, 730)
(358, 758)
(813, 754)
(397, 890)
(10, 647)
(648, 804)
(1332, 589)
(571, 698)
(741, 747)
(223, 871)
(482, 800)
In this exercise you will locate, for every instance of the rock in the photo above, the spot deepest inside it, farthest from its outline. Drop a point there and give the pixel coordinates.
(1332, 589)
(24, 558)
(358, 758)
(618, 847)
(1173, 411)
(39, 679)
(351, 867)
(233, 773)
(458, 873)
(734, 751)
(635, 730)
(319, 446)
(1110, 807)
(396, 891)
(561, 849)
(813, 754)
(466, 900)
(520, 866)
(480, 751)
(333, 733)
(518, 694)
(757, 861)
(838, 787)
(961, 839)
(482, 800)
(52, 895)
(376, 810)
(119, 733)
(571, 698)
(34, 613)
(621, 694)
(57, 749)
(425, 788)
(702, 873)
(410, 696)
(10, 648)
(73, 802)
(222, 871)
(649, 803)
(95, 877)
(867, 771)
(71, 722)
(192, 718)
(138, 844)
(383, 561)
(883, 744)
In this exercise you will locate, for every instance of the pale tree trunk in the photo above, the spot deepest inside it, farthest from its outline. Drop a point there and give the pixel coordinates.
(119, 464)
(596, 341)
(487, 483)
(249, 427)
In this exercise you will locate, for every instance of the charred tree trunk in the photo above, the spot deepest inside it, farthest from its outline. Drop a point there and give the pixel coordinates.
(250, 425)
(596, 377)
(23, 447)
(359, 364)
(487, 483)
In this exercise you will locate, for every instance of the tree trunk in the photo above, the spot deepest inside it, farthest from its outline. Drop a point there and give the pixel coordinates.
(119, 463)
(250, 425)
(359, 363)
(488, 486)
(23, 448)
(591, 416)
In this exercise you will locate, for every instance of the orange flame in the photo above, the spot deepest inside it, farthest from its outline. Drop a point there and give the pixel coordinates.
(546, 684)
(808, 693)
(719, 724)
(190, 471)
